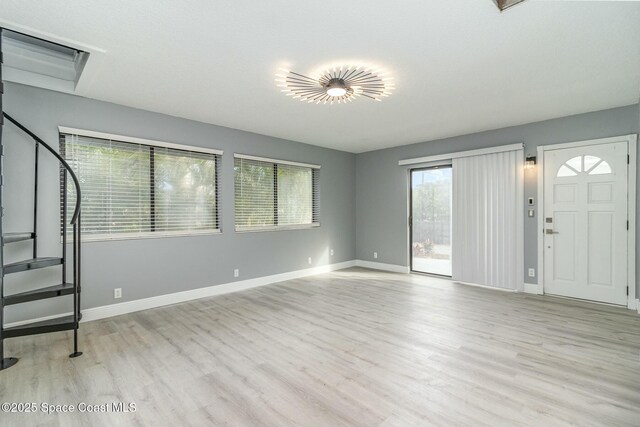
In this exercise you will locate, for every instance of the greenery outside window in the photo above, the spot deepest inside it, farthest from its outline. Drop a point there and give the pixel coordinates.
(275, 194)
(132, 189)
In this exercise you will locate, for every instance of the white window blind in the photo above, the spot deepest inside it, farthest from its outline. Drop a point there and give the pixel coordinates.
(273, 194)
(488, 219)
(134, 190)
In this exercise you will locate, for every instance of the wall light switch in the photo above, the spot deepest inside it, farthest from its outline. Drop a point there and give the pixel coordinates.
(531, 213)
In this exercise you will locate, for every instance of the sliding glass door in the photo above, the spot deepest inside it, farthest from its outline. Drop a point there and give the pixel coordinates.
(431, 220)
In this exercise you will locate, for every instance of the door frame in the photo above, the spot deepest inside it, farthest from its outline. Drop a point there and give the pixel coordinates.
(631, 141)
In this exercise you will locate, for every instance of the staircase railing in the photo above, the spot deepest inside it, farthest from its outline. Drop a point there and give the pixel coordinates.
(76, 211)
(66, 171)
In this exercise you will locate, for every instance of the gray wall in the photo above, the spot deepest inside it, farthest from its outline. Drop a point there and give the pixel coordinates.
(381, 185)
(370, 186)
(150, 267)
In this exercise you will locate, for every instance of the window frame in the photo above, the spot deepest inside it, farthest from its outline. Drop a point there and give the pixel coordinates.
(315, 196)
(152, 144)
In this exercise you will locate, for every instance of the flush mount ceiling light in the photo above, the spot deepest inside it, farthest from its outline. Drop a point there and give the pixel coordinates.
(339, 84)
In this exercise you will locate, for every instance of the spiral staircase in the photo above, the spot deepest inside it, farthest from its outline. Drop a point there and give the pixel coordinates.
(70, 230)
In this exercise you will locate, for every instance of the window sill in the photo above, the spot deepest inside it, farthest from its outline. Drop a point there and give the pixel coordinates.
(277, 228)
(145, 236)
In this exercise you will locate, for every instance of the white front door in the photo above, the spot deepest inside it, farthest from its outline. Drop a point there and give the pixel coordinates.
(585, 222)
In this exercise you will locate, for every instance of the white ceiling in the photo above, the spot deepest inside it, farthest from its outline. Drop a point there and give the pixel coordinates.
(459, 66)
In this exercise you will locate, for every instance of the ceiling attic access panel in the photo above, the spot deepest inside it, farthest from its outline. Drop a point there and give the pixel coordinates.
(42, 63)
(505, 4)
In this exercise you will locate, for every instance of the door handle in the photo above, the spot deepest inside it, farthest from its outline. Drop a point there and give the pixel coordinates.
(550, 231)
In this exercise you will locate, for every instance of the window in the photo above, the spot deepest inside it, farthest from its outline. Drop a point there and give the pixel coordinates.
(275, 194)
(591, 165)
(135, 189)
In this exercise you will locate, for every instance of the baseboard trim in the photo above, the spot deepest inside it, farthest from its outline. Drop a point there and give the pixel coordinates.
(112, 310)
(382, 266)
(209, 291)
(533, 288)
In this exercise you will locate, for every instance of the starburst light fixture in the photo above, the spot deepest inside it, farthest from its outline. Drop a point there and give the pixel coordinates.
(340, 84)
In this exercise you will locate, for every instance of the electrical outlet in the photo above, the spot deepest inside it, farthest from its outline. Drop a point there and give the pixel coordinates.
(236, 273)
(309, 260)
(331, 252)
(117, 293)
(375, 255)
(532, 272)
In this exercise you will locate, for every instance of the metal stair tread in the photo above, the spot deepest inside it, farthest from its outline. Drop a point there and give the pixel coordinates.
(39, 294)
(31, 264)
(18, 236)
(57, 324)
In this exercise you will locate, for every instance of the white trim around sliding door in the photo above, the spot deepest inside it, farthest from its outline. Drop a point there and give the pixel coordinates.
(632, 141)
(458, 154)
(410, 168)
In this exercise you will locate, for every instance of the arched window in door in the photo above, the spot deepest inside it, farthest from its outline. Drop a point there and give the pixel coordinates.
(590, 165)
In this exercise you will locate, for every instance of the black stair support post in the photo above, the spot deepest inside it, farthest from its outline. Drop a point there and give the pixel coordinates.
(76, 296)
(8, 361)
(79, 282)
(76, 286)
(35, 200)
(63, 172)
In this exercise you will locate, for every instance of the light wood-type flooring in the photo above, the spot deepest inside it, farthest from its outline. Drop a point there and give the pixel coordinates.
(354, 347)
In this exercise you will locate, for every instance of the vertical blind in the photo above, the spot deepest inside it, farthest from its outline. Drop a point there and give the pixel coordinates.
(273, 194)
(139, 190)
(488, 220)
